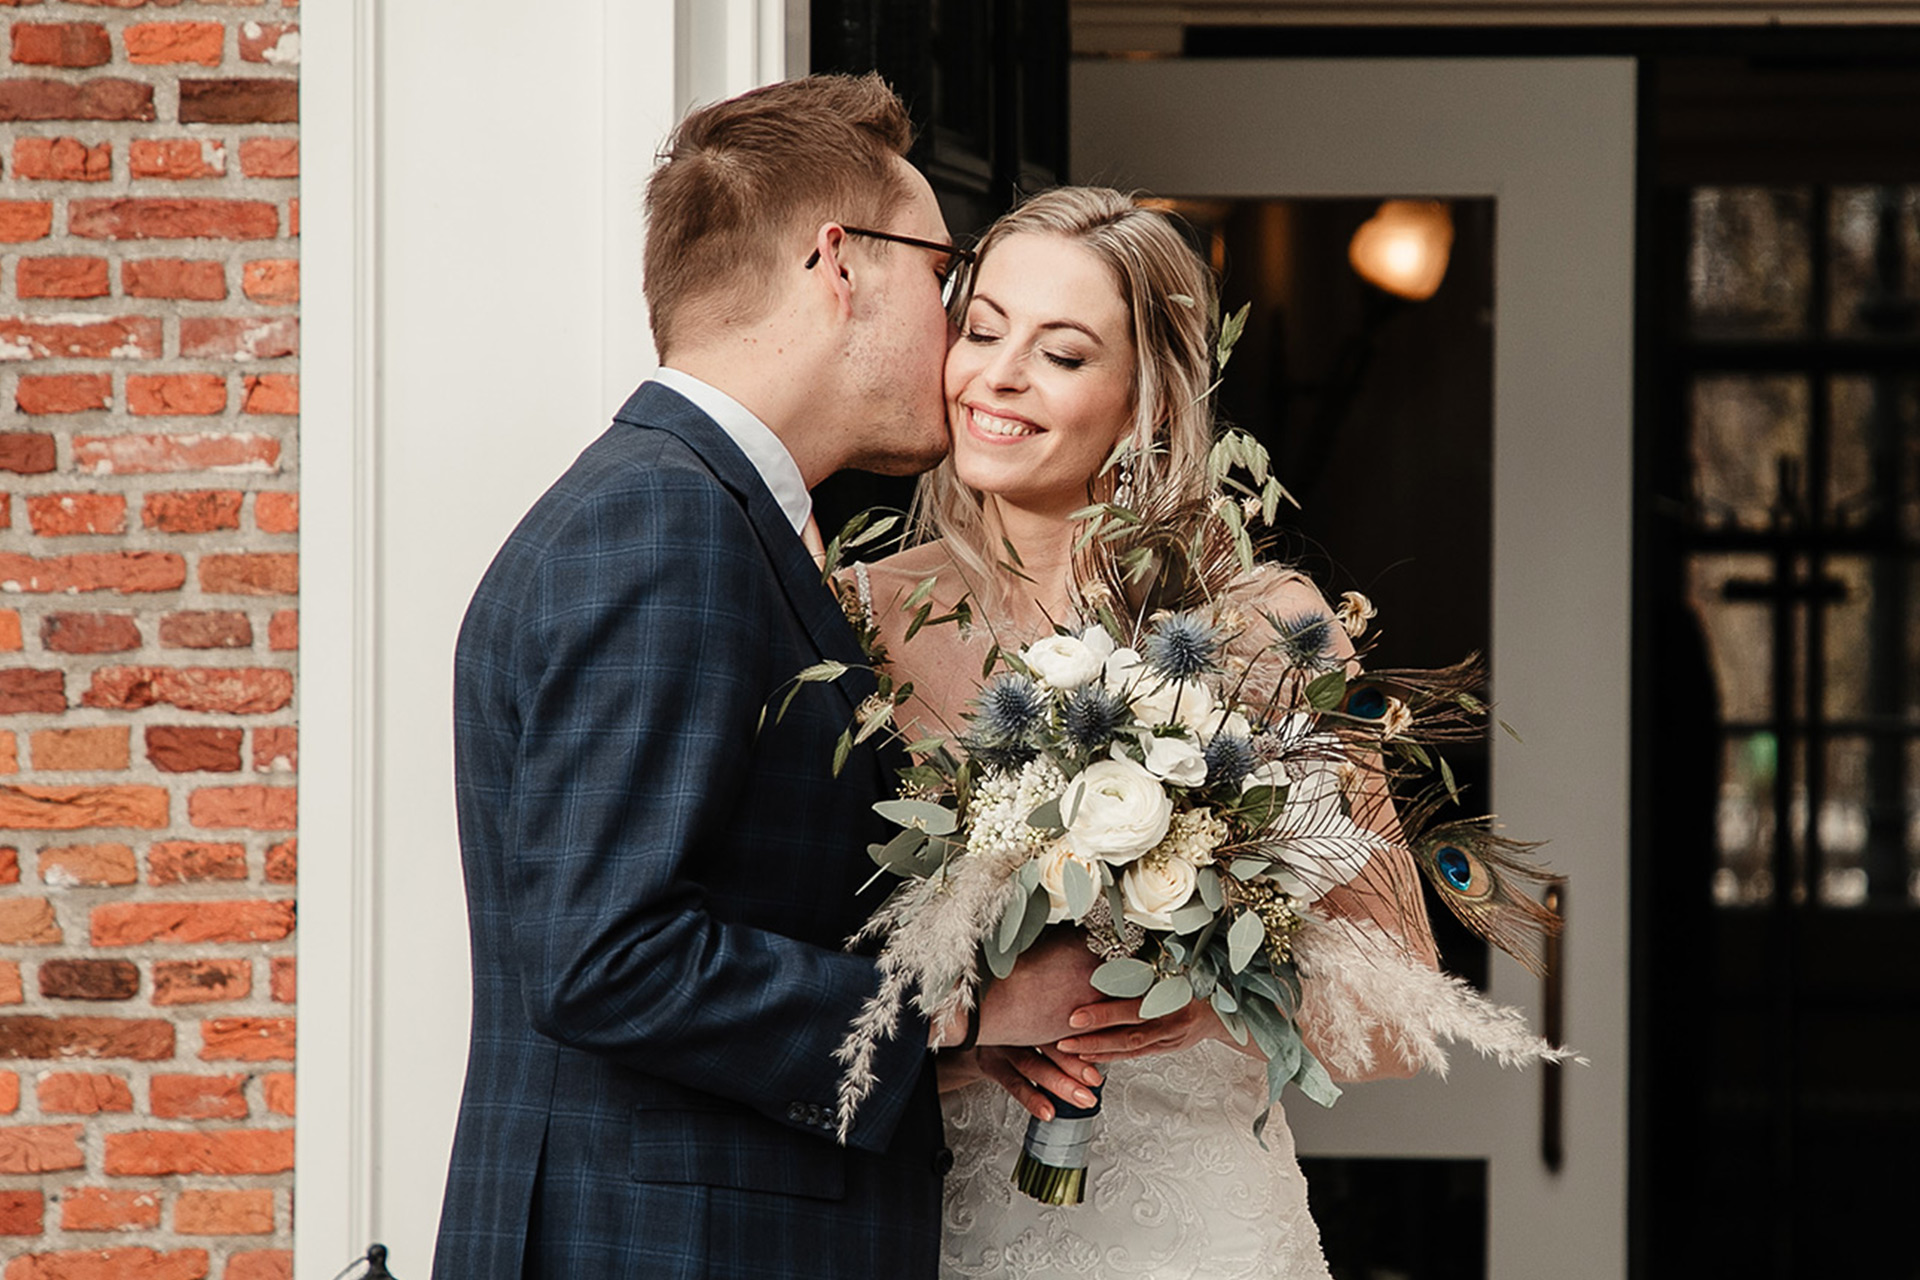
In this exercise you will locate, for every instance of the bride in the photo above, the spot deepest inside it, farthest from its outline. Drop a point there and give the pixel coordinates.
(1085, 327)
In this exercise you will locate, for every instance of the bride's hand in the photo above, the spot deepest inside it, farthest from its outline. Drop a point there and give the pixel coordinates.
(1112, 1030)
(1036, 1076)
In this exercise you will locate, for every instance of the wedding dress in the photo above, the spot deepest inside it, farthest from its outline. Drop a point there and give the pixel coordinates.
(1178, 1187)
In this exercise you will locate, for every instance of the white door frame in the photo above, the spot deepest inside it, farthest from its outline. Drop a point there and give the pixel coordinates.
(472, 317)
(1552, 142)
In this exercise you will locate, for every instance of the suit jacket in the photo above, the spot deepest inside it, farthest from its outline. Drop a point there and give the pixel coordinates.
(658, 896)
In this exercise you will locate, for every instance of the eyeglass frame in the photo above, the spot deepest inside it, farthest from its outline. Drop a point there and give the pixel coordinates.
(957, 256)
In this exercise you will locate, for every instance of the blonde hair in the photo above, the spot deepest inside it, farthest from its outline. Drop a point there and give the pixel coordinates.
(1171, 300)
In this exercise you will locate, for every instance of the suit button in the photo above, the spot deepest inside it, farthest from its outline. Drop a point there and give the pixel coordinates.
(943, 1162)
(815, 1116)
(796, 1113)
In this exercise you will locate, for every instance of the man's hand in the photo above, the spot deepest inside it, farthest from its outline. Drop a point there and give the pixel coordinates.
(1032, 1004)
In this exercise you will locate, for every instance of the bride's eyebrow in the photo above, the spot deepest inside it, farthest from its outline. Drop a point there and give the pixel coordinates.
(1075, 325)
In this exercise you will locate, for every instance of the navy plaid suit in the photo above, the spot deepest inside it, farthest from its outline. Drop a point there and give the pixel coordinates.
(658, 897)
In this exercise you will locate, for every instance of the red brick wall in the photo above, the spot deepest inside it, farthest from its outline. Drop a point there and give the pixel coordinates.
(149, 516)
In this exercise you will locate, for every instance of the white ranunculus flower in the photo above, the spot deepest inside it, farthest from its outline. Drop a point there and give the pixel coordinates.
(1187, 703)
(1115, 810)
(1152, 889)
(1125, 668)
(1175, 760)
(1053, 877)
(1064, 662)
(1097, 639)
(1233, 724)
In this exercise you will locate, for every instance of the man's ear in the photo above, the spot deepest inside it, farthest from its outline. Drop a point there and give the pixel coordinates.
(830, 273)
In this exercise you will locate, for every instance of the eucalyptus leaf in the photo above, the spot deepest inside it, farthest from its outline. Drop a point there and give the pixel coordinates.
(1123, 979)
(1047, 817)
(1224, 1003)
(921, 815)
(1011, 921)
(1235, 1024)
(1312, 1079)
(1028, 877)
(1208, 882)
(999, 962)
(1245, 868)
(1039, 906)
(1244, 939)
(1191, 918)
(900, 850)
(1169, 994)
(1080, 888)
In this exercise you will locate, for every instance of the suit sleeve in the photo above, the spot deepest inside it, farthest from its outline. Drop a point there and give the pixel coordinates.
(644, 670)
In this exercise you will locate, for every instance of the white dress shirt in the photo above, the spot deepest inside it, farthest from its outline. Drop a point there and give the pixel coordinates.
(756, 439)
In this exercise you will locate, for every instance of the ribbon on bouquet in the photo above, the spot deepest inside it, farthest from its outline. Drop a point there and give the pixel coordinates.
(1052, 1167)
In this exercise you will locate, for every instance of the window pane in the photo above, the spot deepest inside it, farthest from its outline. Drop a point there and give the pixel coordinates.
(1745, 430)
(1748, 262)
(1873, 466)
(1847, 669)
(1874, 233)
(1739, 634)
(1745, 823)
(1842, 827)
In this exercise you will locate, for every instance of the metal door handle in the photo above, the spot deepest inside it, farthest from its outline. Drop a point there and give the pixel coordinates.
(1552, 1017)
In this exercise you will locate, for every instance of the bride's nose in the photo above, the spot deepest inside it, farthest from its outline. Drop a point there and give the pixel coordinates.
(1007, 370)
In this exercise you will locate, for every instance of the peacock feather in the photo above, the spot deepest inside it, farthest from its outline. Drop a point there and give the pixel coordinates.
(1486, 879)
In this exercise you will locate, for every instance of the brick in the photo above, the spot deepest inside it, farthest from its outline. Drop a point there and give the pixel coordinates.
(130, 924)
(102, 99)
(276, 43)
(11, 640)
(194, 861)
(33, 1036)
(239, 337)
(248, 808)
(40, 1148)
(88, 866)
(105, 1209)
(67, 515)
(25, 689)
(9, 752)
(22, 1212)
(89, 632)
(261, 1264)
(193, 279)
(247, 1040)
(154, 454)
(81, 1093)
(270, 157)
(179, 159)
(24, 220)
(179, 1097)
(62, 160)
(135, 218)
(192, 510)
(9, 1090)
(62, 278)
(78, 808)
(283, 863)
(283, 630)
(62, 393)
(126, 572)
(271, 573)
(193, 749)
(272, 281)
(103, 747)
(28, 922)
(176, 394)
(276, 750)
(146, 1153)
(272, 393)
(231, 690)
(89, 979)
(206, 630)
(224, 1213)
(27, 452)
(201, 981)
(250, 101)
(275, 512)
(111, 1264)
(279, 1090)
(159, 43)
(61, 44)
(12, 991)
(83, 337)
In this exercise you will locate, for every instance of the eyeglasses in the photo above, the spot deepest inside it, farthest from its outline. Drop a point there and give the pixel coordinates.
(952, 276)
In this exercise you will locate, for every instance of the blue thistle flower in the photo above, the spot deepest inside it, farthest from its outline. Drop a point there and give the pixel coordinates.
(1305, 640)
(1093, 715)
(1009, 709)
(1229, 759)
(1181, 646)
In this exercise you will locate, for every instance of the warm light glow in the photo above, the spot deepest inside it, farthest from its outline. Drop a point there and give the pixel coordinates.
(1403, 247)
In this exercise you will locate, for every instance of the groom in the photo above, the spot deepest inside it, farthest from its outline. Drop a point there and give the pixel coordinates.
(659, 885)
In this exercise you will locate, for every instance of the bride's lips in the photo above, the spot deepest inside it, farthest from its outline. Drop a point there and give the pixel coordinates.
(998, 428)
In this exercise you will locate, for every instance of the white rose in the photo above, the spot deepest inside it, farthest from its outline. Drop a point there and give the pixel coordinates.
(1116, 810)
(1233, 724)
(1064, 662)
(1152, 889)
(1053, 877)
(1187, 703)
(1176, 760)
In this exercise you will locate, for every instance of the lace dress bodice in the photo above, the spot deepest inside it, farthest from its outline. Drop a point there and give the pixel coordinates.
(1179, 1188)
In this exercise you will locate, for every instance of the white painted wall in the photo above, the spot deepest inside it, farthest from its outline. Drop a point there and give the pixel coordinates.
(473, 180)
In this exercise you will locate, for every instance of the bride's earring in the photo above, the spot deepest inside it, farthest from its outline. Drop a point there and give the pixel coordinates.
(1123, 492)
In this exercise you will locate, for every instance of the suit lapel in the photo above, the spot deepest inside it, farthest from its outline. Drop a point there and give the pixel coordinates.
(658, 407)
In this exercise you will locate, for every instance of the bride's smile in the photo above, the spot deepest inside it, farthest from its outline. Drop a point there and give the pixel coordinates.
(1040, 385)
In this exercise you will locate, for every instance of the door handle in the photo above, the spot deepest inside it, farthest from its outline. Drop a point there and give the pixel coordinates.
(1553, 1019)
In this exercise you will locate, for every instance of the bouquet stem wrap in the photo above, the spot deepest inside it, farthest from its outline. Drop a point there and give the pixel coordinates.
(1053, 1158)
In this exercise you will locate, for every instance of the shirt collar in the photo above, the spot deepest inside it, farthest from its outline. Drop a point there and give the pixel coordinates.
(764, 450)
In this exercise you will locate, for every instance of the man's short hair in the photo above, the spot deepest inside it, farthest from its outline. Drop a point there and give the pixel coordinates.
(742, 185)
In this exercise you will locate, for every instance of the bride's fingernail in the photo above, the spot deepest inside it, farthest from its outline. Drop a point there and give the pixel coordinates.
(1083, 1097)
